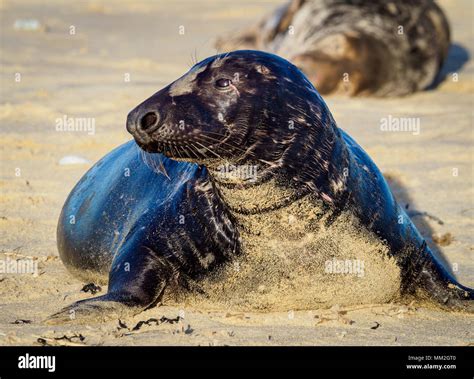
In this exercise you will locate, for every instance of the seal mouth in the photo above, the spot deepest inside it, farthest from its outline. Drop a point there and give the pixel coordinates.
(194, 150)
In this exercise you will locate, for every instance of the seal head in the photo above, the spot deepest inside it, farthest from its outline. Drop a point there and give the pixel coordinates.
(245, 109)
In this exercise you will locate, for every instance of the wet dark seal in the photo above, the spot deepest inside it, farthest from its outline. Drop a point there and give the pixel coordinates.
(378, 47)
(244, 163)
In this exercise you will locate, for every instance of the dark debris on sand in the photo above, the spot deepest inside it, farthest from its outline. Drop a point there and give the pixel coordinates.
(74, 338)
(92, 288)
(150, 321)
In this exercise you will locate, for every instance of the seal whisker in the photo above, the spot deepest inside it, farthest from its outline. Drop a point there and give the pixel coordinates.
(190, 63)
(206, 134)
(157, 167)
(178, 150)
(192, 149)
(226, 144)
(172, 148)
(208, 149)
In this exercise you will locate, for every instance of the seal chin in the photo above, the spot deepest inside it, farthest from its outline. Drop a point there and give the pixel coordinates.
(149, 147)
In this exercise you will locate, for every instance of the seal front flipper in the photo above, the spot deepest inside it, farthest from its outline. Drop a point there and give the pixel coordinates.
(97, 309)
(136, 282)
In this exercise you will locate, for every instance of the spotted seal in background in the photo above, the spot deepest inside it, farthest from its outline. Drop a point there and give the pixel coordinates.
(185, 212)
(377, 47)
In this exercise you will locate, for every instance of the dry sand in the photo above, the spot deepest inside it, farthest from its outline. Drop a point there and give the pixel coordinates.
(83, 75)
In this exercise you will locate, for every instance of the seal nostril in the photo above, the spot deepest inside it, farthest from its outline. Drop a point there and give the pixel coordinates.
(148, 121)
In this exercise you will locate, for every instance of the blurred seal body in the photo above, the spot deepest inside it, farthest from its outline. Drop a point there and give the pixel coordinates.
(379, 47)
(241, 161)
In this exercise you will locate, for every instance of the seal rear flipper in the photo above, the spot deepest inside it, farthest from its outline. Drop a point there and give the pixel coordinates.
(136, 282)
(431, 281)
(257, 36)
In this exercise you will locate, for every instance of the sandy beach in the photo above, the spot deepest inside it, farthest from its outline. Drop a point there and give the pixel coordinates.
(97, 60)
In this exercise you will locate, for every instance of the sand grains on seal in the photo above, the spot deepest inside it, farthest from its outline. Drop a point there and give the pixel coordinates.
(288, 262)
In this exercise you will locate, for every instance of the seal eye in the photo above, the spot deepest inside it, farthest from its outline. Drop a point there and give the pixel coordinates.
(223, 83)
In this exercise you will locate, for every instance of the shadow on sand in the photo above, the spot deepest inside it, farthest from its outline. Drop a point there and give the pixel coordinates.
(457, 57)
